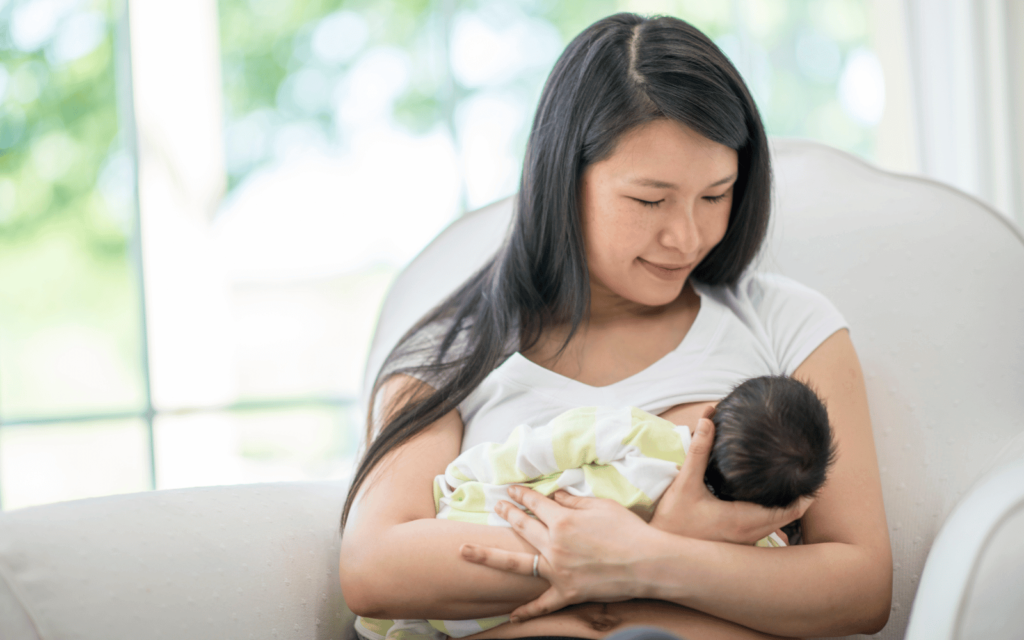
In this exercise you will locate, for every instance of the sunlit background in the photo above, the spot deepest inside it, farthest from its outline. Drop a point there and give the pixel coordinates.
(202, 204)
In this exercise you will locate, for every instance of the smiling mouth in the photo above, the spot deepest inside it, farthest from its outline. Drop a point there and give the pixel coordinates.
(669, 267)
(668, 272)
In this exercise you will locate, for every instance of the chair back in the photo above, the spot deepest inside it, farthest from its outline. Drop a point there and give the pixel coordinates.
(930, 281)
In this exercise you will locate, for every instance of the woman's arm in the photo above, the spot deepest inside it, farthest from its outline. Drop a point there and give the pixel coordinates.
(839, 582)
(398, 561)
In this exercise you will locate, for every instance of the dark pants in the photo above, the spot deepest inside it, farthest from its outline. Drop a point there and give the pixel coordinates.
(633, 633)
(643, 633)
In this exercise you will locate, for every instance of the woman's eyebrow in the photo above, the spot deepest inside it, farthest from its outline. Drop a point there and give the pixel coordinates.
(724, 180)
(660, 184)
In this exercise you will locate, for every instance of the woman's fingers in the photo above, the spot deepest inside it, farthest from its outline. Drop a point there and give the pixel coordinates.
(696, 462)
(688, 508)
(531, 529)
(511, 561)
(550, 600)
(753, 522)
(799, 508)
(573, 554)
(566, 499)
(542, 506)
(683, 506)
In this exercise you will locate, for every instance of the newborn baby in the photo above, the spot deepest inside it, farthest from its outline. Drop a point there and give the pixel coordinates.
(773, 445)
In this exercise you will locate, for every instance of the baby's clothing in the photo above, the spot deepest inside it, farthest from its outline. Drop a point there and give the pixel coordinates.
(623, 454)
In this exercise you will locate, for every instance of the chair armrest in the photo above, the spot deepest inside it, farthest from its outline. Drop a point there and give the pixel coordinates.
(207, 563)
(973, 581)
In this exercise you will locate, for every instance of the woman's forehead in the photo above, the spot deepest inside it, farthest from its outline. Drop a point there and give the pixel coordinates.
(665, 154)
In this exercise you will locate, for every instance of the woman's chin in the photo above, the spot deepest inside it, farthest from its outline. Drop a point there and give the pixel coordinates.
(637, 292)
(655, 297)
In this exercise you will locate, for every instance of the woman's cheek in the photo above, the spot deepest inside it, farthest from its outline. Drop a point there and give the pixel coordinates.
(722, 221)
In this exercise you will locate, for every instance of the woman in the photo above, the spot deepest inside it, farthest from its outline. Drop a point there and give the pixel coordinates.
(644, 198)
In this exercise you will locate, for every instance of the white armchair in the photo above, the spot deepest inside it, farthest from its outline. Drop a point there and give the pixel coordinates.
(929, 279)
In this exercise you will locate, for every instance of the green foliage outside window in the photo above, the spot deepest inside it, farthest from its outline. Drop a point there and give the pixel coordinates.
(792, 53)
(65, 216)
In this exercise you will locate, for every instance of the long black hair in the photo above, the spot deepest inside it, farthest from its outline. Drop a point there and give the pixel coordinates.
(620, 73)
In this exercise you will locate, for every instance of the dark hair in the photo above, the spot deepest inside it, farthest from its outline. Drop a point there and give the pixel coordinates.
(621, 72)
(773, 443)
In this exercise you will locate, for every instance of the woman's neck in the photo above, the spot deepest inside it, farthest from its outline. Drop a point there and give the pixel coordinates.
(610, 309)
(617, 340)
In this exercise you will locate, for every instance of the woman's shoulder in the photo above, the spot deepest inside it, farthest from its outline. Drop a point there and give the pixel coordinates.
(769, 291)
(792, 317)
(766, 293)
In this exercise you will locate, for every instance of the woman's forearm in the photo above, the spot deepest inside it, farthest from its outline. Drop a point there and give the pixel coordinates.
(809, 590)
(839, 584)
(414, 570)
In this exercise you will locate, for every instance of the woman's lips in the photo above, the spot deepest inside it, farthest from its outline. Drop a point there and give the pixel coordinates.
(666, 271)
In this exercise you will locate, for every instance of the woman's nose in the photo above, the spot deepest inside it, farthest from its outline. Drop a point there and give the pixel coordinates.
(682, 233)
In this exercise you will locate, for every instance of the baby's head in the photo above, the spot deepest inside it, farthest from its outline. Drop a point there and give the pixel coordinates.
(773, 443)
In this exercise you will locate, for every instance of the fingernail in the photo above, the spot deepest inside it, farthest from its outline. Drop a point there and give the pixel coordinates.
(515, 491)
(515, 619)
(468, 551)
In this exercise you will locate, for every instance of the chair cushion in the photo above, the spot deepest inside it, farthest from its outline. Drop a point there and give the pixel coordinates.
(253, 561)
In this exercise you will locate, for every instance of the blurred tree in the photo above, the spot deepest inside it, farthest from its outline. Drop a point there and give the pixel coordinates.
(59, 127)
(285, 64)
(66, 211)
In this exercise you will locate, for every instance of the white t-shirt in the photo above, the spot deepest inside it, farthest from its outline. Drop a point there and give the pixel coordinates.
(766, 324)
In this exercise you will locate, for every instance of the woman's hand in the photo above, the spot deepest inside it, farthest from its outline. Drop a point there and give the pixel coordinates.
(688, 509)
(586, 548)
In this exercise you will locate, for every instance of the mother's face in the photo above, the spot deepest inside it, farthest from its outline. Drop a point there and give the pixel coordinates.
(652, 210)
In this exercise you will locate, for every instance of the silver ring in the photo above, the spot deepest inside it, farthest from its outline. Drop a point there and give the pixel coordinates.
(536, 561)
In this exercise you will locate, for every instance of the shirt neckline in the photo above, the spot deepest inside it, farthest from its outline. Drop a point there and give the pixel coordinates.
(520, 368)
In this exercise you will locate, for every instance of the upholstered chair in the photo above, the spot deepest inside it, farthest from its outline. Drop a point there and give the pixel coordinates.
(931, 282)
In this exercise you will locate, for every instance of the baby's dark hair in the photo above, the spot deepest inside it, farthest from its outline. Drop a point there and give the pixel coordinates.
(773, 443)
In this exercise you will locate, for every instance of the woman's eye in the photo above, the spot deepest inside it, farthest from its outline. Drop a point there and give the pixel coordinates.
(716, 199)
(649, 203)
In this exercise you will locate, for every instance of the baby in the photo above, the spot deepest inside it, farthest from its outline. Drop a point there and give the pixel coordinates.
(773, 444)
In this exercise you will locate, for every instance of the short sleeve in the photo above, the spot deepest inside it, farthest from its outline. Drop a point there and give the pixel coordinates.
(420, 350)
(795, 318)
(416, 357)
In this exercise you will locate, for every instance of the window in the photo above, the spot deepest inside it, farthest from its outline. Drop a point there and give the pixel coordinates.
(202, 207)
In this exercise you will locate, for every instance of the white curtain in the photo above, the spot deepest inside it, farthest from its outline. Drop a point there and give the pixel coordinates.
(967, 73)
